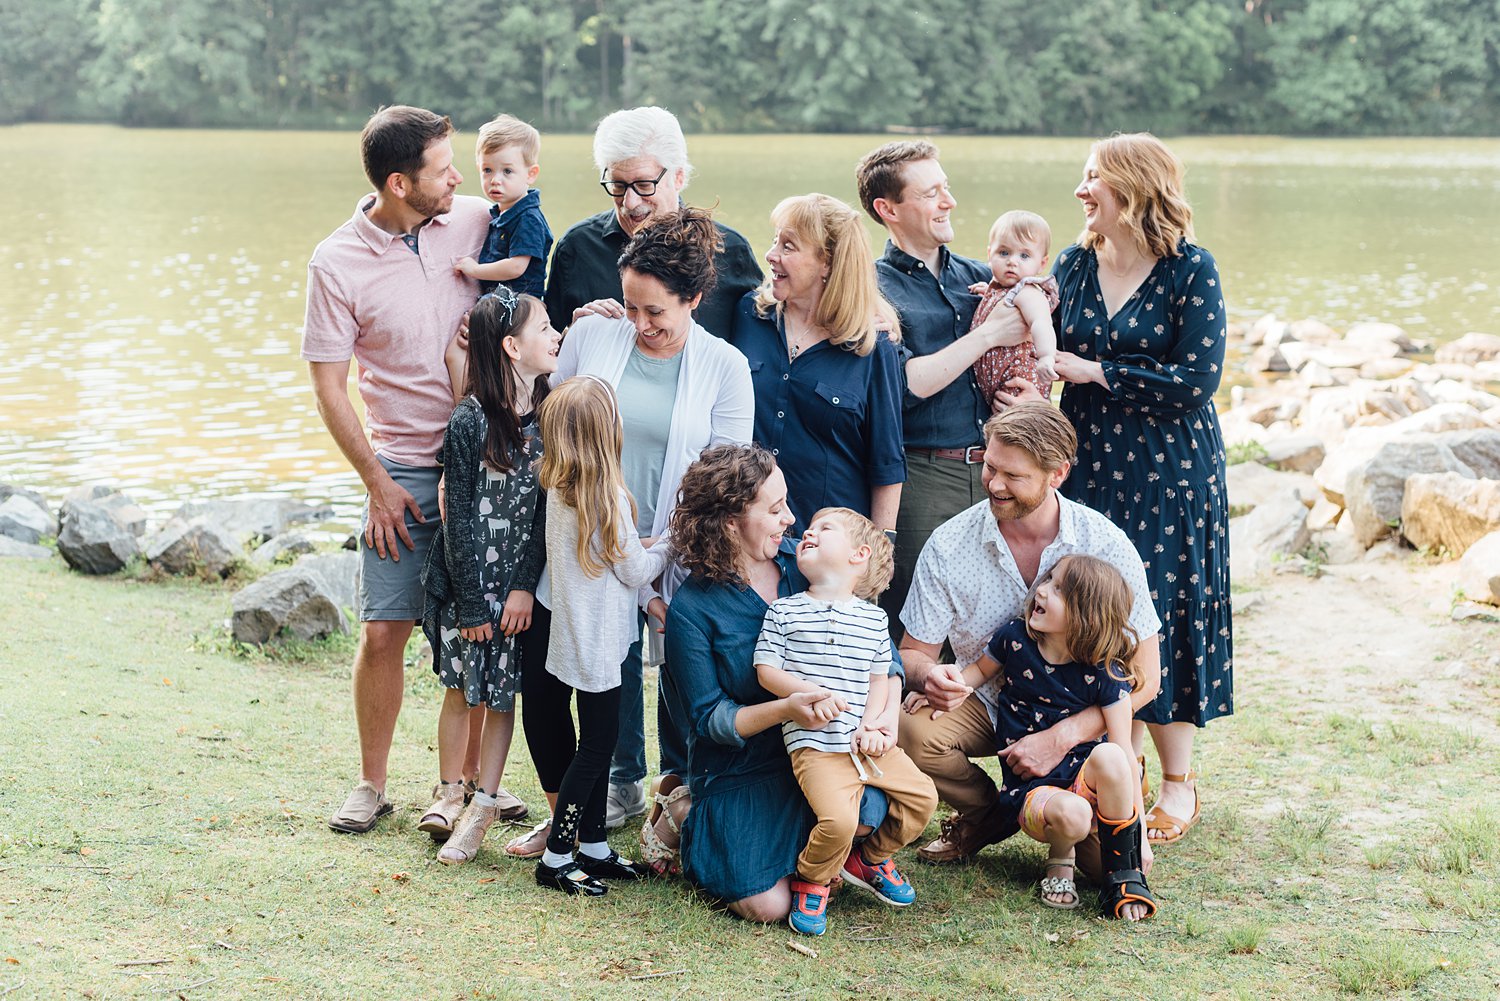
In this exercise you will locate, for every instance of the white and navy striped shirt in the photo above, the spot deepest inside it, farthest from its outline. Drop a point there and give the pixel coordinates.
(834, 646)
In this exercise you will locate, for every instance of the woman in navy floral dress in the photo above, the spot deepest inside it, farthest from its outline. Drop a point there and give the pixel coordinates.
(1141, 324)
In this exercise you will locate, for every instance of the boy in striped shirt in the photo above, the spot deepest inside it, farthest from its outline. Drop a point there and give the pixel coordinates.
(831, 639)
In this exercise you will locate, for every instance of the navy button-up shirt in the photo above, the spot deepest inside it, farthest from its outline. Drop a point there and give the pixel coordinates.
(935, 311)
(520, 229)
(831, 418)
(586, 267)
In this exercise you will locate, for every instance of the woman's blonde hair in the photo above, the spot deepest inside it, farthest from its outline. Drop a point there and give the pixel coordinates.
(1099, 602)
(851, 307)
(581, 438)
(1146, 177)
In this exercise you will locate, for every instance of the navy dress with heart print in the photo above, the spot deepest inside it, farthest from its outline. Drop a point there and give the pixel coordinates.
(1151, 457)
(1034, 695)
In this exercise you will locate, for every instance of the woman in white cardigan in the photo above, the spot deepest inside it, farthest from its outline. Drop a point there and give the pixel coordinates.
(681, 389)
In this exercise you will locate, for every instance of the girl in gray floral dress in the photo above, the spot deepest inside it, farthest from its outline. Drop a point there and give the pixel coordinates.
(480, 577)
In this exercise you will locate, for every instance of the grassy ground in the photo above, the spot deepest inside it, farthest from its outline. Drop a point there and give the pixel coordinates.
(163, 796)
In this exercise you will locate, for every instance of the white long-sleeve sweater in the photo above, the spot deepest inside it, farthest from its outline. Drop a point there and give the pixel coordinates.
(593, 618)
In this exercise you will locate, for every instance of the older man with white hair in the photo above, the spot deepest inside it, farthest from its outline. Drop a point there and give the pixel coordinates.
(643, 165)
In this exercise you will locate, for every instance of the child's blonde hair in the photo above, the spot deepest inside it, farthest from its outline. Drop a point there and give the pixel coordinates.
(881, 566)
(1099, 603)
(582, 437)
(1023, 227)
(508, 130)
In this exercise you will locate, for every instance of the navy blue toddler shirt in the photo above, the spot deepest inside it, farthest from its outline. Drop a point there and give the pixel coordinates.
(520, 229)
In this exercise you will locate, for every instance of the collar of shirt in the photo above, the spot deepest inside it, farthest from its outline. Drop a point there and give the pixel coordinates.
(1066, 538)
(532, 197)
(376, 238)
(909, 265)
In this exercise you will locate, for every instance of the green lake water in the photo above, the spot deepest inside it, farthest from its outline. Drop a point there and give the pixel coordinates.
(151, 282)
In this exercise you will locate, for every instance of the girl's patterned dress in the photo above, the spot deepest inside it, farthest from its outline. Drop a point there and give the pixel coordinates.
(1035, 695)
(492, 543)
(1151, 457)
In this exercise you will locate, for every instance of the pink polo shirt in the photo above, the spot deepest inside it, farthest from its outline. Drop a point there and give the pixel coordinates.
(370, 298)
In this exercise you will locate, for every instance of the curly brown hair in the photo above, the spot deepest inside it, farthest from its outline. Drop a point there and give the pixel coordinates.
(677, 249)
(716, 489)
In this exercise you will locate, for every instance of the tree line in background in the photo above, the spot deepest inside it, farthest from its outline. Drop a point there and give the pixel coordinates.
(1080, 67)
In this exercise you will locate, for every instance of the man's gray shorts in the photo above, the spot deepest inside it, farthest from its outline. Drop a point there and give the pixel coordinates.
(391, 590)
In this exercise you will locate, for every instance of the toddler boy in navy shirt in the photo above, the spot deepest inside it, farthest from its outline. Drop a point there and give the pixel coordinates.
(519, 239)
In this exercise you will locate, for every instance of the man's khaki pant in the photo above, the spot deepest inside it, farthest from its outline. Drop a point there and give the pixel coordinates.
(831, 784)
(942, 747)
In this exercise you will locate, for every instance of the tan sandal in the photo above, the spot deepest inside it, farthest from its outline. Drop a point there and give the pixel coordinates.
(661, 834)
(1160, 820)
(1060, 884)
(448, 799)
(531, 844)
(468, 835)
(1145, 782)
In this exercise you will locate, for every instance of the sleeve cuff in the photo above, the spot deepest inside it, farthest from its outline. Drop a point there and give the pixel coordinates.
(720, 726)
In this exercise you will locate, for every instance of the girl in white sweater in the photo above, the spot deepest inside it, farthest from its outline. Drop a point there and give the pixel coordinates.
(597, 566)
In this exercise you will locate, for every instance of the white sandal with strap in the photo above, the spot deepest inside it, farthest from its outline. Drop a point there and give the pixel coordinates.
(665, 859)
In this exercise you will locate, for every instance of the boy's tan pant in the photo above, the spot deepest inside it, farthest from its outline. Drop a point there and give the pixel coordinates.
(832, 787)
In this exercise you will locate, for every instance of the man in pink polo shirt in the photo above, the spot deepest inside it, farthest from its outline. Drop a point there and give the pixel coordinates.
(382, 290)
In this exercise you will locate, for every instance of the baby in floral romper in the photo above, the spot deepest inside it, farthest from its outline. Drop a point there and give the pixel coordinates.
(1019, 245)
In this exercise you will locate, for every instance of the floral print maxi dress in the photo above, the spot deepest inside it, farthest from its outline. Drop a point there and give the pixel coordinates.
(1151, 457)
(492, 543)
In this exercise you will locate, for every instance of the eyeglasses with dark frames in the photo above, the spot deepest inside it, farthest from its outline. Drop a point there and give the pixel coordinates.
(643, 188)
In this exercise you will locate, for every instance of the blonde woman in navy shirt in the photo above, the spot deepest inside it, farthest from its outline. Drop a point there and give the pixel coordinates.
(822, 347)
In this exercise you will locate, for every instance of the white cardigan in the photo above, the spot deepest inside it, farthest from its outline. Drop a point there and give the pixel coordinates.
(715, 399)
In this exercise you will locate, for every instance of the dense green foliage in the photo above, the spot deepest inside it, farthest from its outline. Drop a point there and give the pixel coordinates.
(1089, 66)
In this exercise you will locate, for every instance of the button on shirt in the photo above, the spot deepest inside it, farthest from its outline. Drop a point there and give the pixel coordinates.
(586, 267)
(935, 311)
(967, 585)
(831, 418)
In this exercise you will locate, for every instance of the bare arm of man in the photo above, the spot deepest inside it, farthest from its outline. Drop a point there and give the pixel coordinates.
(884, 503)
(388, 500)
(1036, 754)
(943, 684)
(929, 374)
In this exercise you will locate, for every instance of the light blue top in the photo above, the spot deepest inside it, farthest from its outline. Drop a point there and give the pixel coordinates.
(647, 392)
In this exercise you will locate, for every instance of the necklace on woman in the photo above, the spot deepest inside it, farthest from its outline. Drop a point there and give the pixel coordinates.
(1121, 275)
(795, 340)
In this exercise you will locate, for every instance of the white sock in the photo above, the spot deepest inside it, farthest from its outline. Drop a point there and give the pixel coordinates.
(483, 798)
(594, 849)
(556, 860)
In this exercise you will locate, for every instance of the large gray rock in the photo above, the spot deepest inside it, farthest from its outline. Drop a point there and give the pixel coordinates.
(192, 546)
(1449, 511)
(21, 519)
(93, 540)
(1469, 349)
(1251, 484)
(1479, 570)
(1374, 489)
(1359, 444)
(1380, 334)
(9, 490)
(291, 602)
(255, 517)
(1298, 454)
(124, 510)
(281, 548)
(22, 550)
(1274, 530)
(1478, 449)
(338, 572)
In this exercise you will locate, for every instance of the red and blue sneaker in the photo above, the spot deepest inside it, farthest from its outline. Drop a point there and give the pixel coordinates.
(809, 908)
(882, 880)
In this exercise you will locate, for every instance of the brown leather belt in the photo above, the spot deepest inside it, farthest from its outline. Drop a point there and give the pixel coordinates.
(973, 455)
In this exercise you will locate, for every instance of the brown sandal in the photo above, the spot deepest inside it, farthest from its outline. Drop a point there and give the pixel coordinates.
(448, 799)
(1160, 820)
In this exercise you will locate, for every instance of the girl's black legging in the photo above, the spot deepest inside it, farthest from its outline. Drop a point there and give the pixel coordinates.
(579, 774)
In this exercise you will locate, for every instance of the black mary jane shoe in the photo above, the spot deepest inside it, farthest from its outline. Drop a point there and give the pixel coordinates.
(570, 878)
(613, 866)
